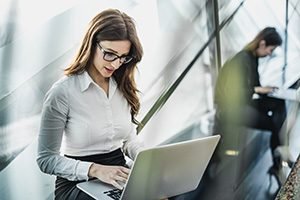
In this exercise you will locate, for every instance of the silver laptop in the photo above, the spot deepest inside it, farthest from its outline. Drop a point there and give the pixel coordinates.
(160, 172)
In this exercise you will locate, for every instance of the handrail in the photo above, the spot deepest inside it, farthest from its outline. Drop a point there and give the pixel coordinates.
(168, 92)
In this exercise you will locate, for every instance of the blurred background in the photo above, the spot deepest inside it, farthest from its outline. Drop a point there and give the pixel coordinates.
(185, 44)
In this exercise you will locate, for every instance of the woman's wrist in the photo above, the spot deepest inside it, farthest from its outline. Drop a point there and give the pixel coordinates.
(92, 170)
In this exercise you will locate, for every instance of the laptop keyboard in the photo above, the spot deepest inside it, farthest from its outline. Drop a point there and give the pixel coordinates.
(114, 193)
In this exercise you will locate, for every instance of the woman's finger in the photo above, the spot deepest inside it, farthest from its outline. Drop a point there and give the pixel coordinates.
(125, 170)
(122, 174)
(120, 178)
(116, 184)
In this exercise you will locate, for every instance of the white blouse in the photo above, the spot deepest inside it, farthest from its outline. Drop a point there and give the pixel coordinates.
(78, 119)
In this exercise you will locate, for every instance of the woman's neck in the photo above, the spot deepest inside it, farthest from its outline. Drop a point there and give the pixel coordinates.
(98, 78)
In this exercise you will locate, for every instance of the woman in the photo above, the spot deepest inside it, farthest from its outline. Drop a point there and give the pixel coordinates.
(89, 114)
(237, 82)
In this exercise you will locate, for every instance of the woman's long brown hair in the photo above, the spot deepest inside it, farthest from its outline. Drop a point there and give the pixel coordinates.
(112, 25)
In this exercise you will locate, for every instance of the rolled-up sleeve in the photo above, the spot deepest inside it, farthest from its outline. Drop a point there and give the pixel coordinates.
(53, 121)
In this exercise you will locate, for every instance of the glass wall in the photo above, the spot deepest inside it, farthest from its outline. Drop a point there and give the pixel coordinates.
(178, 45)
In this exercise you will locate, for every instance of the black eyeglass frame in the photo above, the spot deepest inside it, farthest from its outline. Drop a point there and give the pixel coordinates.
(123, 59)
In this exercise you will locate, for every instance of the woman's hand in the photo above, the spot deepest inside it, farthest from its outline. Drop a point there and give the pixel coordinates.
(264, 90)
(109, 174)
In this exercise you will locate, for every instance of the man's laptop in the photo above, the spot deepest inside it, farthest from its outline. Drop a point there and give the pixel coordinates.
(160, 172)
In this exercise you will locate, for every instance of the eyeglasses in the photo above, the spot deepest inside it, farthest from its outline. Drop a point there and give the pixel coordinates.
(109, 56)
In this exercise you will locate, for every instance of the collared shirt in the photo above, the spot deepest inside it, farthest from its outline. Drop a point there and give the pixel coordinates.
(80, 119)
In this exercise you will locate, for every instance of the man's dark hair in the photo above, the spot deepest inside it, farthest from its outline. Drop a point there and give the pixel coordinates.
(269, 35)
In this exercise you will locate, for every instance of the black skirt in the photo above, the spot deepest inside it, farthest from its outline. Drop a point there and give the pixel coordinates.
(67, 190)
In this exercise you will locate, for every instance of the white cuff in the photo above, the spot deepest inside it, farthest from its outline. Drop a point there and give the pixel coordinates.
(82, 170)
